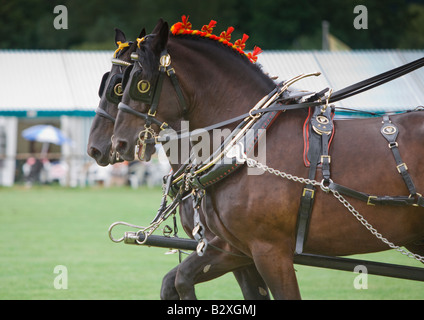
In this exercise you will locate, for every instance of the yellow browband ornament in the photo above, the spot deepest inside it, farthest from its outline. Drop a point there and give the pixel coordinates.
(121, 46)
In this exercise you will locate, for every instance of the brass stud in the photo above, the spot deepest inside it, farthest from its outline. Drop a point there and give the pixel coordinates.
(143, 86)
(118, 89)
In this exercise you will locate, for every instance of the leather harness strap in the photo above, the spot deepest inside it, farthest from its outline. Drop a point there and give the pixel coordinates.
(318, 139)
(378, 200)
(104, 114)
(320, 131)
(390, 132)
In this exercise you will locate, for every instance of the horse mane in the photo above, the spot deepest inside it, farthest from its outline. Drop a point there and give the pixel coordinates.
(184, 30)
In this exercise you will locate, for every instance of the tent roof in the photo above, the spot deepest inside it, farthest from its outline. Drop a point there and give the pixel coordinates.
(59, 82)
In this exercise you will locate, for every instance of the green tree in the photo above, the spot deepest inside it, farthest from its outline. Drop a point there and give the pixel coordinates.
(271, 24)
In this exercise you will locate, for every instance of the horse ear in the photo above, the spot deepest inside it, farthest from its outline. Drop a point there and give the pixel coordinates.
(158, 26)
(161, 39)
(119, 36)
(142, 33)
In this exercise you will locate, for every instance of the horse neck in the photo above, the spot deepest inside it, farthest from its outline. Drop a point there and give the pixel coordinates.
(221, 83)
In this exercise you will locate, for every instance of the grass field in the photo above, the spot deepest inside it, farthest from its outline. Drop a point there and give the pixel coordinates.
(43, 227)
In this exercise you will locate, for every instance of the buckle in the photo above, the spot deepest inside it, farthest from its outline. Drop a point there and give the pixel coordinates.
(417, 196)
(401, 165)
(170, 71)
(163, 126)
(310, 190)
(325, 157)
(369, 200)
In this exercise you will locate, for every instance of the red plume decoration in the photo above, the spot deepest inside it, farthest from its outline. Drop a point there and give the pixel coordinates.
(253, 56)
(185, 27)
(226, 35)
(186, 24)
(241, 43)
(209, 28)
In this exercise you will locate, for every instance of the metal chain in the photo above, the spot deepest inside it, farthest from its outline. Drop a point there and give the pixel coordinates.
(374, 231)
(253, 163)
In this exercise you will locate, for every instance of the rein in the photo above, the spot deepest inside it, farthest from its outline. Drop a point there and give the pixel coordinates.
(341, 94)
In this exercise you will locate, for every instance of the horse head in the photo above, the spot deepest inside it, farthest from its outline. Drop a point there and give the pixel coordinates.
(143, 92)
(200, 78)
(99, 144)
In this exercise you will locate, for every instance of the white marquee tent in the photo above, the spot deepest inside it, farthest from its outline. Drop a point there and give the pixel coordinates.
(63, 85)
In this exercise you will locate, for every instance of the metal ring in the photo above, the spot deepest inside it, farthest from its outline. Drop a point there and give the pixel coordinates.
(110, 233)
(324, 188)
(123, 224)
(389, 130)
(134, 56)
(117, 89)
(322, 119)
(146, 235)
(165, 60)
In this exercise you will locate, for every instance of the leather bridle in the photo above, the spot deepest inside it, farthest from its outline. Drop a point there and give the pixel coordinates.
(144, 91)
(114, 90)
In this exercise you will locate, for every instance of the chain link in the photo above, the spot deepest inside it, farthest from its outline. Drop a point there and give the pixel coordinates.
(253, 163)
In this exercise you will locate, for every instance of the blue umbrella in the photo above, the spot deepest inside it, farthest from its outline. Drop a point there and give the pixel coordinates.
(45, 134)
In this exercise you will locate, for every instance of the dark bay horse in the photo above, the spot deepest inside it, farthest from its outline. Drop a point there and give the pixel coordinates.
(110, 93)
(179, 282)
(257, 213)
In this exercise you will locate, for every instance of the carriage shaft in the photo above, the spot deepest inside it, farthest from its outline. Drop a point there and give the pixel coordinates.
(312, 260)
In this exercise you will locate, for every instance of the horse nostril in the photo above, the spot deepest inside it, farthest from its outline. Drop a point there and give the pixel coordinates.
(121, 146)
(94, 153)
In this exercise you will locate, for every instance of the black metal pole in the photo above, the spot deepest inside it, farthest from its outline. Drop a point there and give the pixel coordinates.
(348, 264)
(160, 241)
(306, 259)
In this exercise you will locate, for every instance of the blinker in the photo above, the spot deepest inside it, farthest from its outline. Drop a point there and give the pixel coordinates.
(103, 84)
(114, 89)
(126, 75)
(141, 89)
